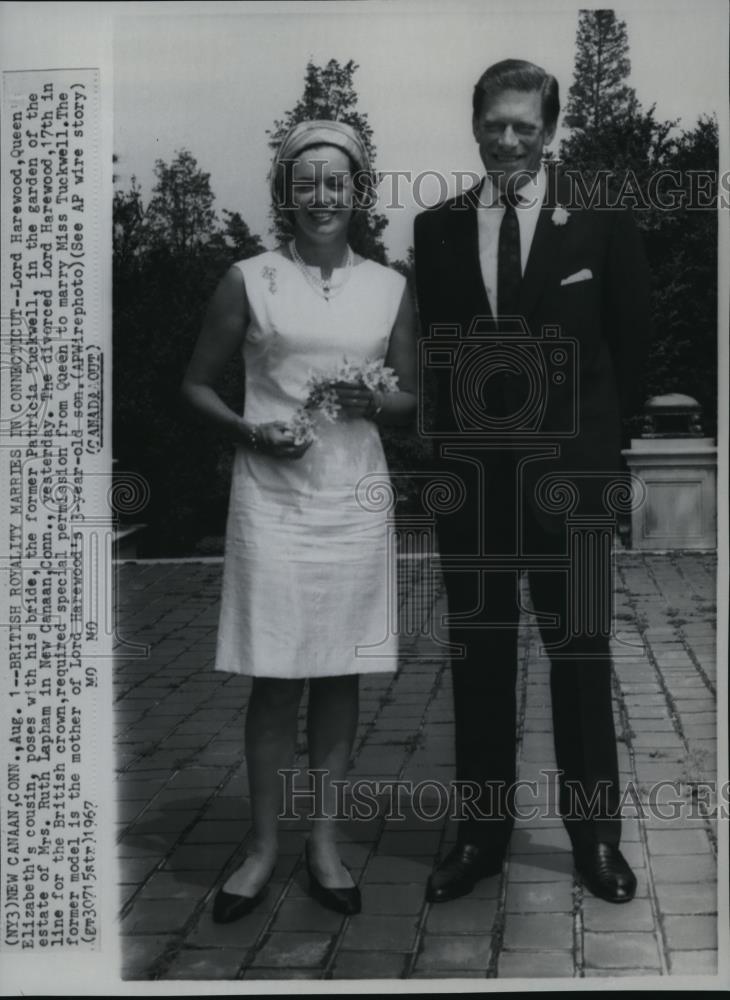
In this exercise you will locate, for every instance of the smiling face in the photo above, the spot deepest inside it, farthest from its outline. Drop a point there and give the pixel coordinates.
(322, 194)
(511, 135)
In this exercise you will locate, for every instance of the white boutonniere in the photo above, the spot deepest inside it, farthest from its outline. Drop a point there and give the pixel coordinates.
(560, 216)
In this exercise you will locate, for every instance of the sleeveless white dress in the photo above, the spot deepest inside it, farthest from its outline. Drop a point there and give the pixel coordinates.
(309, 576)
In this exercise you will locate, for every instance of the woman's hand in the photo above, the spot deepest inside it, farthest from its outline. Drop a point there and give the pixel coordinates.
(356, 400)
(275, 439)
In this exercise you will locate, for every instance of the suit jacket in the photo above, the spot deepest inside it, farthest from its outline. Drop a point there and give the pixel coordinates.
(599, 320)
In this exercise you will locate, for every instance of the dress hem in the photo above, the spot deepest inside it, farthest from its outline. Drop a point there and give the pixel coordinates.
(303, 677)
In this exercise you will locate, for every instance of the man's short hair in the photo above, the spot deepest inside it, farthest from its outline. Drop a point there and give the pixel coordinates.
(518, 74)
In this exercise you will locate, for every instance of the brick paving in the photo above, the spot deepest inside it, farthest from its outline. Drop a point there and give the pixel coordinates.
(183, 811)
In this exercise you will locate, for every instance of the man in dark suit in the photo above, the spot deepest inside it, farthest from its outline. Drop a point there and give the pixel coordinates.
(535, 313)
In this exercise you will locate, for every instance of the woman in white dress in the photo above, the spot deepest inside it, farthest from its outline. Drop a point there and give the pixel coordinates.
(308, 580)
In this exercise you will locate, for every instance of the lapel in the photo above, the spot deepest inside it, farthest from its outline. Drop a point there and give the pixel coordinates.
(543, 262)
(544, 259)
(463, 245)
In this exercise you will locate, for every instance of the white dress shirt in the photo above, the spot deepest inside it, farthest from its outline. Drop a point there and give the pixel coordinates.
(489, 218)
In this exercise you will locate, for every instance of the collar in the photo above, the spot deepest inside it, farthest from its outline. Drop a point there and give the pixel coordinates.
(531, 194)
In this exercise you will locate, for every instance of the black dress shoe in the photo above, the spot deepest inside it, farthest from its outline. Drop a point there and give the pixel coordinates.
(606, 873)
(457, 874)
(347, 900)
(229, 906)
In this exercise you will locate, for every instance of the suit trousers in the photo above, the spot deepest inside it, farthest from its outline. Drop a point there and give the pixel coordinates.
(502, 528)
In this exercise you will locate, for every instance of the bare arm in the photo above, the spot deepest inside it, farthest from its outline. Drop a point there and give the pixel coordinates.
(222, 335)
(399, 408)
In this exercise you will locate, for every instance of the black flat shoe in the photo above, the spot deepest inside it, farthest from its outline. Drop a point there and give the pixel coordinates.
(606, 873)
(347, 901)
(229, 906)
(457, 874)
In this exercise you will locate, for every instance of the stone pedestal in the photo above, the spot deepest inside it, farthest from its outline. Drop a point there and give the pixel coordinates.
(680, 508)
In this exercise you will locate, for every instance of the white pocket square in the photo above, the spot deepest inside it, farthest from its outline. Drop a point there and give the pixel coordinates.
(584, 275)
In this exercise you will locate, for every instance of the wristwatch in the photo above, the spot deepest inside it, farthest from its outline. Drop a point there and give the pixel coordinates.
(252, 438)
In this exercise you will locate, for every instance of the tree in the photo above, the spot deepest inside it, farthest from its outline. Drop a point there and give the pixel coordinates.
(329, 93)
(168, 257)
(128, 214)
(238, 237)
(613, 134)
(682, 248)
(234, 241)
(610, 131)
(407, 267)
(629, 148)
(599, 92)
(180, 214)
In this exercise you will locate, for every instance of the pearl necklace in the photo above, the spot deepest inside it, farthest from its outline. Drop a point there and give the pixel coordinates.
(323, 286)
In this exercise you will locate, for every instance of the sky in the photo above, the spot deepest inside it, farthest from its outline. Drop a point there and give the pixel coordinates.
(212, 78)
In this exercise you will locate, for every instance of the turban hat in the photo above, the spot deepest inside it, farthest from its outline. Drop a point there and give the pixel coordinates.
(319, 132)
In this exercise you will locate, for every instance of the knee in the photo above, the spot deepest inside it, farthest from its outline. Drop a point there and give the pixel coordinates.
(325, 689)
(276, 695)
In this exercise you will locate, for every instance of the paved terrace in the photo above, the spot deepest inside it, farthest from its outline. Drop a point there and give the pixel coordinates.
(184, 812)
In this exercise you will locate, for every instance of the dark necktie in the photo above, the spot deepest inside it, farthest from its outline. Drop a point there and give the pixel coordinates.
(509, 266)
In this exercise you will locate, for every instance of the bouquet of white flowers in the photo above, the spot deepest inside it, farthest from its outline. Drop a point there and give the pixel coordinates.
(322, 398)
